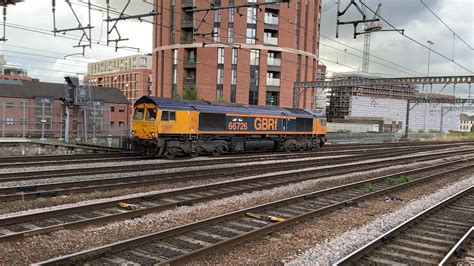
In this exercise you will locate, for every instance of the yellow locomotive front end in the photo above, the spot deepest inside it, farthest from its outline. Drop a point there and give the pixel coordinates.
(145, 128)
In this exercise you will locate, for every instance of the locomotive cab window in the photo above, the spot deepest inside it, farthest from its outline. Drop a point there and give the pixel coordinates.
(168, 116)
(150, 114)
(323, 122)
(138, 114)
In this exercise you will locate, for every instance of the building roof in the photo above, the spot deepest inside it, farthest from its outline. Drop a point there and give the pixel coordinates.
(32, 89)
(465, 117)
(208, 107)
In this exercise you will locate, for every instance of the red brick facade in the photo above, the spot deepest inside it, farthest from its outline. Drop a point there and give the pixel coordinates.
(287, 52)
(133, 83)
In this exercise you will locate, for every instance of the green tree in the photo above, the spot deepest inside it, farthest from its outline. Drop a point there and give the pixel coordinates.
(190, 93)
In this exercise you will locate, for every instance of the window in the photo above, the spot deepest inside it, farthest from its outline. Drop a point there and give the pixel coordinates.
(216, 34)
(233, 94)
(112, 108)
(175, 76)
(233, 77)
(230, 35)
(122, 109)
(252, 15)
(112, 124)
(323, 122)
(220, 56)
(175, 56)
(138, 114)
(220, 94)
(254, 77)
(217, 16)
(121, 124)
(220, 76)
(254, 57)
(234, 56)
(10, 105)
(150, 114)
(253, 97)
(231, 14)
(272, 98)
(251, 36)
(168, 116)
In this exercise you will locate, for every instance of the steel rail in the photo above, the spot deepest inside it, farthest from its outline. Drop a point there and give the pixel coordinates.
(203, 193)
(47, 174)
(65, 161)
(386, 239)
(458, 248)
(184, 243)
(62, 188)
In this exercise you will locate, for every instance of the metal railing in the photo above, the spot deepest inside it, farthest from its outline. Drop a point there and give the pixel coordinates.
(271, 61)
(271, 20)
(270, 40)
(273, 82)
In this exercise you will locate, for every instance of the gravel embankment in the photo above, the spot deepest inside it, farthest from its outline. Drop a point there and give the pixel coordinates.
(40, 248)
(344, 244)
(100, 196)
(33, 182)
(279, 247)
(71, 178)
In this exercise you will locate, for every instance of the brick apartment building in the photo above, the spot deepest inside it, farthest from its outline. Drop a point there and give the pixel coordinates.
(34, 109)
(131, 74)
(254, 55)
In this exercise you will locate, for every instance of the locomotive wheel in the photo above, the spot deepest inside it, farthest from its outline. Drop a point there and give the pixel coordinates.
(194, 154)
(216, 151)
(169, 155)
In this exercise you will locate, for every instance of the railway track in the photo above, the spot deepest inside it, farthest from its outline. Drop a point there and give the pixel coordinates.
(431, 237)
(68, 160)
(72, 217)
(63, 188)
(46, 174)
(184, 243)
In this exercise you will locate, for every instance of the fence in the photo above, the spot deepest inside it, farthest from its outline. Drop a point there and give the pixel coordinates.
(46, 119)
(340, 138)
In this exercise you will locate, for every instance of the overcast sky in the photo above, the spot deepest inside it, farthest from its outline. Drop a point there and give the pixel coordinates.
(43, 54)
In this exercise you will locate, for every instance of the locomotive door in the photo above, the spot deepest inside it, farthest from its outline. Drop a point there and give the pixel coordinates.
(284, 122)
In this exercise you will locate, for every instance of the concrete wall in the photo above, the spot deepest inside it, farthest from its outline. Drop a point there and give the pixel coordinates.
(352, 127)
(396, 110)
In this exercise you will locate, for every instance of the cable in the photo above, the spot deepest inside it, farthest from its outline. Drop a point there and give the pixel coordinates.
(444, 23)
(419, 43)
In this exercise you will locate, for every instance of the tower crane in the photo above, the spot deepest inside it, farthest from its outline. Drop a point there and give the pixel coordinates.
(369, 27)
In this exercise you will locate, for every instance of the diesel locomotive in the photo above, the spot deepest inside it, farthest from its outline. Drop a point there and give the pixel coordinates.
(169, 127)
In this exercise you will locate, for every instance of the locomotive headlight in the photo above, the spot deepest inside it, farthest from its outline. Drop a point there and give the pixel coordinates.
(153, 134)
(133, 132)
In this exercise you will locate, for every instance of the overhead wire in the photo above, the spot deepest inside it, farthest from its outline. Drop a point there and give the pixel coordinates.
(447, 26)
(417, 42)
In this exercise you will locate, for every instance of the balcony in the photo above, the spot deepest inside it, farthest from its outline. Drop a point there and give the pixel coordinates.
(187, 4)
(187, 22)
(272, 20)
(189, 62)
(271, 61)
(273, 64)
(189, 82)
(273, 82)
(187, 38)
(270, 41)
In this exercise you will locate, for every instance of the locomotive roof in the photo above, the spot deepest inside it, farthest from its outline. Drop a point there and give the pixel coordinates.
(208, 107)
